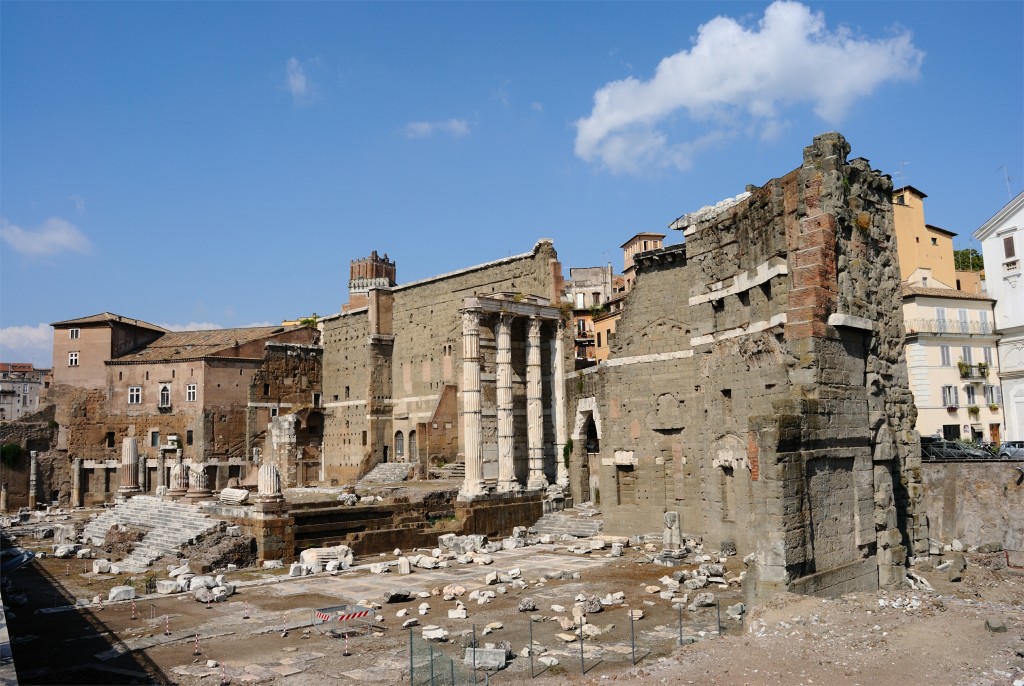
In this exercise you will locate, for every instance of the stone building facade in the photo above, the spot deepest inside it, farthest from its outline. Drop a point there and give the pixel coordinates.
(22, 387)
(183, 396)
(756, 390)
(407, 375)
(285, 414)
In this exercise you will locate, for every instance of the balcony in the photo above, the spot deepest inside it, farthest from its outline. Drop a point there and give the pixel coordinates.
(950, 326)
(975, 372)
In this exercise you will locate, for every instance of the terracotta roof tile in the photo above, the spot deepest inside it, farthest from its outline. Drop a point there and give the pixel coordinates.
(184, 345)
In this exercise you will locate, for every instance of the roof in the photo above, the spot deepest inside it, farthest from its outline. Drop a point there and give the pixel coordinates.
(939, 229)
(107, 317)
(912, 291)
(642, 235)
(1004, 214)
(190, 345)
(19, 367)
(897, 191)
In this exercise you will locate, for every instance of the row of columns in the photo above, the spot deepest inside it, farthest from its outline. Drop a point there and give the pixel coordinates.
(471, 405)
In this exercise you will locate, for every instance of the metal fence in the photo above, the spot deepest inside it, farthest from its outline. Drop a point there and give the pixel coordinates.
(624, 641)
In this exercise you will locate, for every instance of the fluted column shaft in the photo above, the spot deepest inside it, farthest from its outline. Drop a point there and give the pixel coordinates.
(534, 407)
(472, 437)
(33, 471)
(506, 466)
(129, 466)
(76, 482)
(558, 411)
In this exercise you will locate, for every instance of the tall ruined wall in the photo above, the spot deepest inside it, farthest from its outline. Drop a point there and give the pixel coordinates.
(423, 357)
(756, 384)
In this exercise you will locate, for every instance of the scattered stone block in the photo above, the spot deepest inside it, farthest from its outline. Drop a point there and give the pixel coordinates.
(84, 554)
(101, 566)
(527, 605)
(167, 586)
(273, 564)
(397, 595)
(434, 633)
(995, 625)
(118, 593)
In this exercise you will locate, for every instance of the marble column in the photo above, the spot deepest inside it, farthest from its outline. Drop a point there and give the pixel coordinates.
(471, 434)
(534, 408)
(3, 497)
(268, 482)
(33, 473)
(143, 469)
(161, 469)
(506, 466)
(129, 466)
(76, 482)
(558, 402)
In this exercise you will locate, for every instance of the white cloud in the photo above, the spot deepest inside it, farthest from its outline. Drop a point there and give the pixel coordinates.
(78, 201)
(734, 79)
(49, 238)
(27, 344)
(246, 326)
(501, 93)
(192, 326)
(298, 83)
(426, 129)
(537, 106)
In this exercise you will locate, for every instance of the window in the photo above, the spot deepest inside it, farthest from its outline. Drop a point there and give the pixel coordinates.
(346, 392)
(598, 339)
(266, 389)
(165, 396)
(951, 432)
(147, 376)
(399, 444)
(1008, 248)
(961, 315)
(944, 354)
(949, 396)
(595, 299)
(940, 318)
(110, 439)
(154, 439)
(966, 355)
(73, 359)
(993, 395)
(901, 200)
(134, 395)
(983, 321)
(74, 333)
(316, 400)
(935, 241)
(190, 393)
(273, 412)
(986, 354)
(188, 437)
(364, 438)
(969, 393)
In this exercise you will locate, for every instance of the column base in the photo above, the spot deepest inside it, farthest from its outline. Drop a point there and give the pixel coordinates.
(471, 492)
(537, 483)
(196, 496)
(510, 487)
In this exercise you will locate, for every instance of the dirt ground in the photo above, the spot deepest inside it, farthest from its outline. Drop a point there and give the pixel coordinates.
(906, 637)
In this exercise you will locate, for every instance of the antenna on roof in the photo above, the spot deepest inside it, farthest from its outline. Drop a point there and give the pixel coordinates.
(1009, 195)
(901, 175)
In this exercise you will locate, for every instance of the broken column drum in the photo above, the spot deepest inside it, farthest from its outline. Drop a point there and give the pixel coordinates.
(269, 482)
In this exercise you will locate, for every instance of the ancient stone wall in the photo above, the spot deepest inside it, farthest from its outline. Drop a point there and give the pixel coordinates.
(756, 383)
(975, 502)
(396, 357)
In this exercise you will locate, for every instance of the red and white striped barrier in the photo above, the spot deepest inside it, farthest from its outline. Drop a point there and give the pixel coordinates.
(167, 625)
(198, 650)
(135, 614)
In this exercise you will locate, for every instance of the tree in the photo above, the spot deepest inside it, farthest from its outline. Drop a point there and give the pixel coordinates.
(968, 260)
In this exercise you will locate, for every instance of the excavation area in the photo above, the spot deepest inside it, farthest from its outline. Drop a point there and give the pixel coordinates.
(595, 612)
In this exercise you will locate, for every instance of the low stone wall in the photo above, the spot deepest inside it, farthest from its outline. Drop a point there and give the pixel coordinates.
(975, 502)
(380, 527)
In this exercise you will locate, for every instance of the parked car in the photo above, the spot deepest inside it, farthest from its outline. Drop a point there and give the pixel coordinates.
(1012, 450)
(941, 449)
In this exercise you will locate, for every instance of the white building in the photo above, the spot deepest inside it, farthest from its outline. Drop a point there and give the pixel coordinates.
(1002, 245)
(21, 387)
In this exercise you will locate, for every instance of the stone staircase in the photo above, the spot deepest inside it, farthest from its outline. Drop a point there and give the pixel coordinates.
(455, 471)
(168, 525)
(388, 473)
(568, 522)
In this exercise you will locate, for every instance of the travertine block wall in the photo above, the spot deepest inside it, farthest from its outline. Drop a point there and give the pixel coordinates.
(757, 386)
(396, 356)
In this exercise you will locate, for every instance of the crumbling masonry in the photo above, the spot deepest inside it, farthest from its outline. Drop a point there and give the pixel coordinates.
(757, 386)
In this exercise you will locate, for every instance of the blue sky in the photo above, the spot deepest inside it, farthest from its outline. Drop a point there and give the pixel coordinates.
(219, 164)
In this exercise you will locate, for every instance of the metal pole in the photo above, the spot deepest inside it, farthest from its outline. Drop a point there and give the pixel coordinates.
(718, 610)
(474, 654)
(583, 670)
(451, 663)
(632, 636)
(411, 660)
(431, 647)
(680, 607)
(531, 649)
